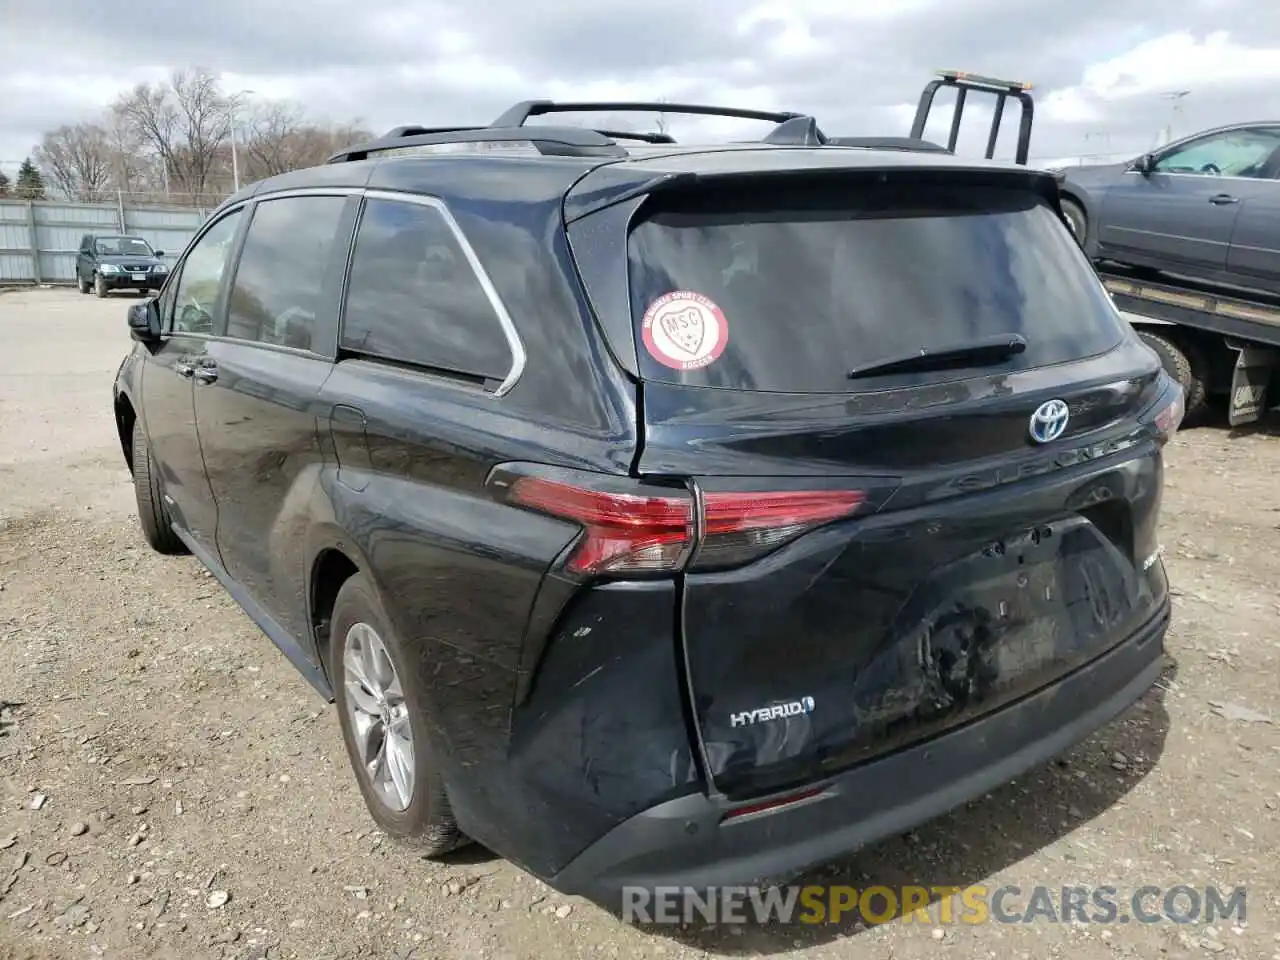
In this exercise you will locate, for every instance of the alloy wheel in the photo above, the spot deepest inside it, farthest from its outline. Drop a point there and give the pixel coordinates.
(379, 716)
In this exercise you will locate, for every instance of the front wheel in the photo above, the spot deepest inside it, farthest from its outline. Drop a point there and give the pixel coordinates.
(153, 513)
(382, 714)
(82, 284)
(99, 287)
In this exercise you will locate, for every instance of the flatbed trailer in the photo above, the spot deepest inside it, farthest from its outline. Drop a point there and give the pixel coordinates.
(1215, 342)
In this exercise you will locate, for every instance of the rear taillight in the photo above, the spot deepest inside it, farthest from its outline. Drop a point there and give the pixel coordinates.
(1168, 416)
(629, 534)
(738, 527)
(622, 532)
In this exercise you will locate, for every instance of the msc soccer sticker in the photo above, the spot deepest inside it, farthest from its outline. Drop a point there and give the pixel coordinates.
(685, 330)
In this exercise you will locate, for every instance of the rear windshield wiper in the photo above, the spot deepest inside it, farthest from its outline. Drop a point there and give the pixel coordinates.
(978, 352)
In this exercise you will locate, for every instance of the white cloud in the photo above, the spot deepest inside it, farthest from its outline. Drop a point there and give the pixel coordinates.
(857, 65)
(1180, 61)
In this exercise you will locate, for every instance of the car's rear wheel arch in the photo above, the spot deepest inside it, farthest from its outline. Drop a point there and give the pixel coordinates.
(330, 570)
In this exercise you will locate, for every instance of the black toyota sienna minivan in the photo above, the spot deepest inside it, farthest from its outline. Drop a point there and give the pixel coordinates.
(663, 515)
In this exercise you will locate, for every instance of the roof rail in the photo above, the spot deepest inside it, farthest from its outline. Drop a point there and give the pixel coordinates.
(521, 112)
(548, 140)
(510, 128)
(413, 130)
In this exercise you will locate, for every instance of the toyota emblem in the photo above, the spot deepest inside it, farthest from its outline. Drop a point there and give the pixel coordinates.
(1049, 421)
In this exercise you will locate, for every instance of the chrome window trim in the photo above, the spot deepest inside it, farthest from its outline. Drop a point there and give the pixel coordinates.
(514, 343)
(242, 342)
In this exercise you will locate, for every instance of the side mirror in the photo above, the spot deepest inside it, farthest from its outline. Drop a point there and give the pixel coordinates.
(1145, 164)
(144, 322)
(159, 254)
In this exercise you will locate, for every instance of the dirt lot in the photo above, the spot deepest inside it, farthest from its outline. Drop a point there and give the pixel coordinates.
(157, 753)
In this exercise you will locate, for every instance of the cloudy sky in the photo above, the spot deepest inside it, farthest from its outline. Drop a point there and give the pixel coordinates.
(1100, 67)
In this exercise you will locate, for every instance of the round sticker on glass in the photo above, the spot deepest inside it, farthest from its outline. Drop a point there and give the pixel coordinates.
(685, 330)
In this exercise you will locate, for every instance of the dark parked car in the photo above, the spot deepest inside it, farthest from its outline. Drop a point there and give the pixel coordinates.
(107, 262)
(1206, 207)
(661, 514)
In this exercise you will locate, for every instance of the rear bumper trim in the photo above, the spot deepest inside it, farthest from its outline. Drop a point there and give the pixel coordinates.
(684, 842)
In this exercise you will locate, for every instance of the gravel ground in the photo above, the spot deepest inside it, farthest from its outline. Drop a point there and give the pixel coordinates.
(171, 788)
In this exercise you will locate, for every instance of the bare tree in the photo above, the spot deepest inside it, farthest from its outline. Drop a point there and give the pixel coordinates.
(270, 142)
(280, 139)
(205, 117)
(171, 140)
(129, 162)
(184, 122)
(77, 159)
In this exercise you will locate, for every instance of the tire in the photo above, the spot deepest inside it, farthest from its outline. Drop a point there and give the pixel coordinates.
(99, 286)
(426, 822)
(82, 284)
(1178, 365)
(153, 514)
(1076, 220)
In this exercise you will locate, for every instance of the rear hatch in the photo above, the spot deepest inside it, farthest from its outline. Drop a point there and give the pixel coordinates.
(922, 446)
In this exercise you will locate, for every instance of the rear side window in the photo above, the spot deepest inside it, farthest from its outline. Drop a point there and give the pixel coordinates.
(789, 291)
(413, 296)
(280, 280)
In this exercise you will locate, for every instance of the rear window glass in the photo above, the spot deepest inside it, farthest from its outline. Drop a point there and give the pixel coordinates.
(791, 293)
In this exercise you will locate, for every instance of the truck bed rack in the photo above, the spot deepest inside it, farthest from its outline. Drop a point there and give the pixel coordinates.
(963, 83)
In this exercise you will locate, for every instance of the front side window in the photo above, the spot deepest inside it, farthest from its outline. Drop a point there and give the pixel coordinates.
(1239, 153)
(122, 247)
(196, 293)
(413, 297)
(279, 281)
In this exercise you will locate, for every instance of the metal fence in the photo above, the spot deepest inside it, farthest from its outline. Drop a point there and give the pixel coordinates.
(39, 238)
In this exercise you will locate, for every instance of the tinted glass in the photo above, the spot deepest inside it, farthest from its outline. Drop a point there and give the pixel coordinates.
(195, 296)
(413, 297)
(280, 278)
(122, 247)
(1240, 153)
(811, 285)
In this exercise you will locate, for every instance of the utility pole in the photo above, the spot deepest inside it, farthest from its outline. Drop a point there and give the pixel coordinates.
(1104, 135)
(235, 157)
(1175, 114)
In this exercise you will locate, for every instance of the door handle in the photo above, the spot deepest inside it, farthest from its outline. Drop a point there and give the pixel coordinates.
(1218, 199)
(183, 369)
(206, 372)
